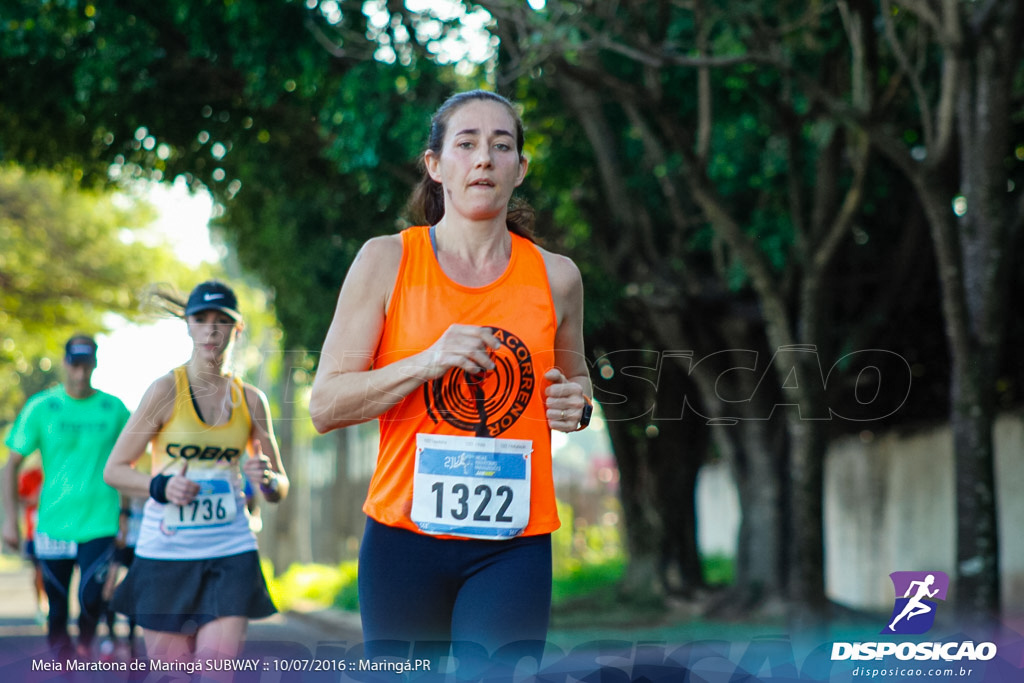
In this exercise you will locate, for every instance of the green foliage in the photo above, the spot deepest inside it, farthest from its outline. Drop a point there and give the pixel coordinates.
(307, 143)
(68, 257)
(576, 547)
(312, 586)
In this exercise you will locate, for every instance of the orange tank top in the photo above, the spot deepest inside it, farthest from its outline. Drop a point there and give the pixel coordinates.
(504, 404)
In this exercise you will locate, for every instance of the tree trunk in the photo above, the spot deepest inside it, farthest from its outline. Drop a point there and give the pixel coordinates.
(735, 410)
(286, 520)
(972, 418)
(642, 583)
(807, 576)
(677, 452)
(342, 526)
(972, 421)
(974, 272)
(676, 456)
(755, 450)
(659, 453)
(985, 126)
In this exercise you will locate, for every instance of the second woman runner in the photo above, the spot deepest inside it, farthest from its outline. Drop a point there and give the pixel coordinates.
(196, 578)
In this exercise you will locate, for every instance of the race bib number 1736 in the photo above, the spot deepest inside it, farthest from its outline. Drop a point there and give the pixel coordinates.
(214, 506)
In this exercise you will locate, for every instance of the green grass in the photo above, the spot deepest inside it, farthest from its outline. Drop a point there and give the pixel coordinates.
(588, 564)
(306, 586)
(601, 578)
(585, 580)
(718, 570)
(577, 586)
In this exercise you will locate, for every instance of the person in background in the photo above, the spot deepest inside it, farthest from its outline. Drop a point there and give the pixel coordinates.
(113, 648)
(30, 482)
(196, 578)
(73, 426)
(465, 339)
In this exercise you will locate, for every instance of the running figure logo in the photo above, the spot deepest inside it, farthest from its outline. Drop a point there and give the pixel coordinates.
(914, 612)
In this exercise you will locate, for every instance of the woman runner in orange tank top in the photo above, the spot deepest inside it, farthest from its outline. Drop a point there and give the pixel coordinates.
(464, 338)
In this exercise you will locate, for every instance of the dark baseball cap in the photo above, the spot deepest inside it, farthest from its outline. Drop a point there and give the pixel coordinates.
(80, 349)
(213, 295)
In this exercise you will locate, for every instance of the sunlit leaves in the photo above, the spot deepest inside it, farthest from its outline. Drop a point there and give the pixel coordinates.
(68, 257)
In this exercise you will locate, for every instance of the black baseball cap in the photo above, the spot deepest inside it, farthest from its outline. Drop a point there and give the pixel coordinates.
(80, 349)
(213, 295)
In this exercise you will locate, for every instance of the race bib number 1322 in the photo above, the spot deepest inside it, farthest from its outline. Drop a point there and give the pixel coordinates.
(471, 487)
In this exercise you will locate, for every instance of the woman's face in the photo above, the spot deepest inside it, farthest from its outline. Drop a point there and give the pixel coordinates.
(212, 333)
(479, 166)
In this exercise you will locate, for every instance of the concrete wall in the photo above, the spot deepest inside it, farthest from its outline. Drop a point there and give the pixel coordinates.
(718, 511)
(890, 505)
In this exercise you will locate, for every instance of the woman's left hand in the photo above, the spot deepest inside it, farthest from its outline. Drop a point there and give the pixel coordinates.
(257, 467)
(564, 401)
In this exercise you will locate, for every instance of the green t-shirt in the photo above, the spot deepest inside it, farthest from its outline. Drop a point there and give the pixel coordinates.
(74, 438)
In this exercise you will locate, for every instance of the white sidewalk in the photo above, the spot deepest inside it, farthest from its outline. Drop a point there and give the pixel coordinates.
(17, 599)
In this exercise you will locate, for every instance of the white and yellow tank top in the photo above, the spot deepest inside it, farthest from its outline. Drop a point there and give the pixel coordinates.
(216, 523)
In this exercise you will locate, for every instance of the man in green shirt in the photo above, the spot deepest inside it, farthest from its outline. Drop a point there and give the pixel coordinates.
(74, 427)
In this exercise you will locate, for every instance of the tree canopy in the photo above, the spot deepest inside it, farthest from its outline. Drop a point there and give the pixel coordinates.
(68, 258)
(761, 125)
(307, 142)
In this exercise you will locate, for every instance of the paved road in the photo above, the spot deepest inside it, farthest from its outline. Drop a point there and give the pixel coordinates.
(279, 647)
(292, 637)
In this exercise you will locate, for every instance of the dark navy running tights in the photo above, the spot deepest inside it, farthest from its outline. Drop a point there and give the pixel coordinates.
(414, 587)
(93, 560)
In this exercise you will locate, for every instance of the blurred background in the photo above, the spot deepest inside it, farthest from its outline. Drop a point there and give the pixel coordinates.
(799, 226)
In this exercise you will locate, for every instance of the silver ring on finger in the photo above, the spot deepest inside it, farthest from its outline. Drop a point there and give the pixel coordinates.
(563, 416)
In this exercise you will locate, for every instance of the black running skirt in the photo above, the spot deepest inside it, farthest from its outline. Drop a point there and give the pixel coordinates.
(179, 596)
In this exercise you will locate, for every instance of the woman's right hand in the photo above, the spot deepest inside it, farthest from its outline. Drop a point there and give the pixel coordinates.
(180, 489)
(466, 347)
